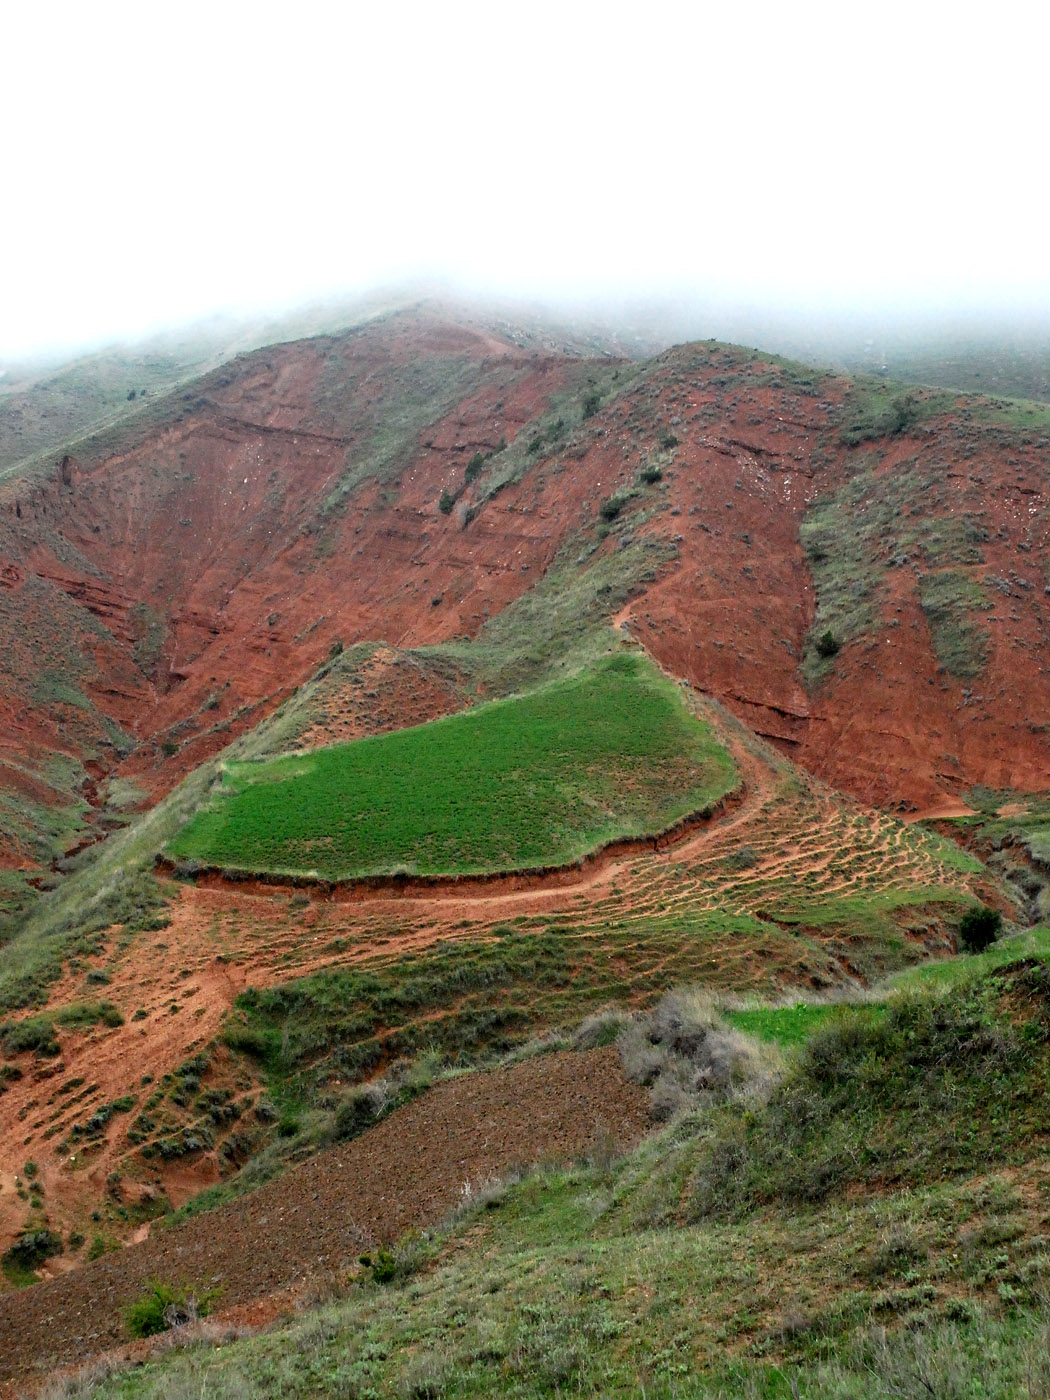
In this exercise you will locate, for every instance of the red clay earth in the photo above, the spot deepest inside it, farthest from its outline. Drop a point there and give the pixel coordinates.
(185, 576)
(313, 1223)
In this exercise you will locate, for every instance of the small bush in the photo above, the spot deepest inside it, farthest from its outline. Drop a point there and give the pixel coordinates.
(28, 1252)
(8, 1074)
(163, 1307)
(34, 1033)
(827, 644)
(591, 403)
(100, 1245)
(743, 858)
(474, 467)
(685, 1054)
(359, 1110)
(979, 928)
(650, 475)
(383, 1265)
(445, 502)
(247, 1041)
(600, 1028)
(610, 508)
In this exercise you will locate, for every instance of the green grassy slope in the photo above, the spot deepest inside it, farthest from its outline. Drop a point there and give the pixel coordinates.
(873, 1226)
(538, 780)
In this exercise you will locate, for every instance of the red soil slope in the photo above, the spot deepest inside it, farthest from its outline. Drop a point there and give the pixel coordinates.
(165, 590)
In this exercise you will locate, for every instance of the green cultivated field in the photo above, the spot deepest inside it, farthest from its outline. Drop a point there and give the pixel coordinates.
(537, 780)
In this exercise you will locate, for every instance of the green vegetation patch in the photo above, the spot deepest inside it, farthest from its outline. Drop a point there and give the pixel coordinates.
(881, 522)
(948, 597)
(876, 408)
(38, 1032)
(939, 1080)
(1031, 944)
(25, 1256)
(535, 781)
(163, 1306)
(785, 1025)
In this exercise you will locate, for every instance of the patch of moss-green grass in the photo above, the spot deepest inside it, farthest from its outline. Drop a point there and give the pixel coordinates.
(386, 428)
(786, 1025)
(867, 913)
(38, 1032)
(1028, 825)
(561, 624)
(843, 535)
(538, 780)
(1032, 943)
(880, 522)
(878, 408)
(948, 597)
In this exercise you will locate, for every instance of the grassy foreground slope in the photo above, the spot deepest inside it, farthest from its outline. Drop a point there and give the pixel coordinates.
(537, 780)
(871, 1222)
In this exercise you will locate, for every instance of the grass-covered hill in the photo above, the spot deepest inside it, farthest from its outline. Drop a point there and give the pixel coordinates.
(535, 781)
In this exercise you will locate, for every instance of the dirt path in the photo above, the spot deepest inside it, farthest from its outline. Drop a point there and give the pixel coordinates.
(403, 1174)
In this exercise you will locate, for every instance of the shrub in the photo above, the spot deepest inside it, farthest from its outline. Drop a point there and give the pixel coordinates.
(8, 1073)
(383, 1265)
(474, 467)
(591, 403)
(979, 928)
(162, 1307)
(28, 1252)
(650, 475)
(99, 1245)
(445, 502)
(685, 1054)
(247, 1041)
(34, 1033)
(359, 1110)
(610, 508)
(743, 858)
(827, 644)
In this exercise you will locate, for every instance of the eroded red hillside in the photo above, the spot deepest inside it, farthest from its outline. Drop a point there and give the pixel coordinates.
(165, 589)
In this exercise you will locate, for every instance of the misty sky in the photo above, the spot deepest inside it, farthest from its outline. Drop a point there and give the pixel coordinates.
(163, 161)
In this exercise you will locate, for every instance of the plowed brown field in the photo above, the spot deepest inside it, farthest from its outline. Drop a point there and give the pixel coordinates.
(314, 1222)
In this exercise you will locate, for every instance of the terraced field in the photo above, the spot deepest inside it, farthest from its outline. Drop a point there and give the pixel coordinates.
(792, 887)
(537, 780)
